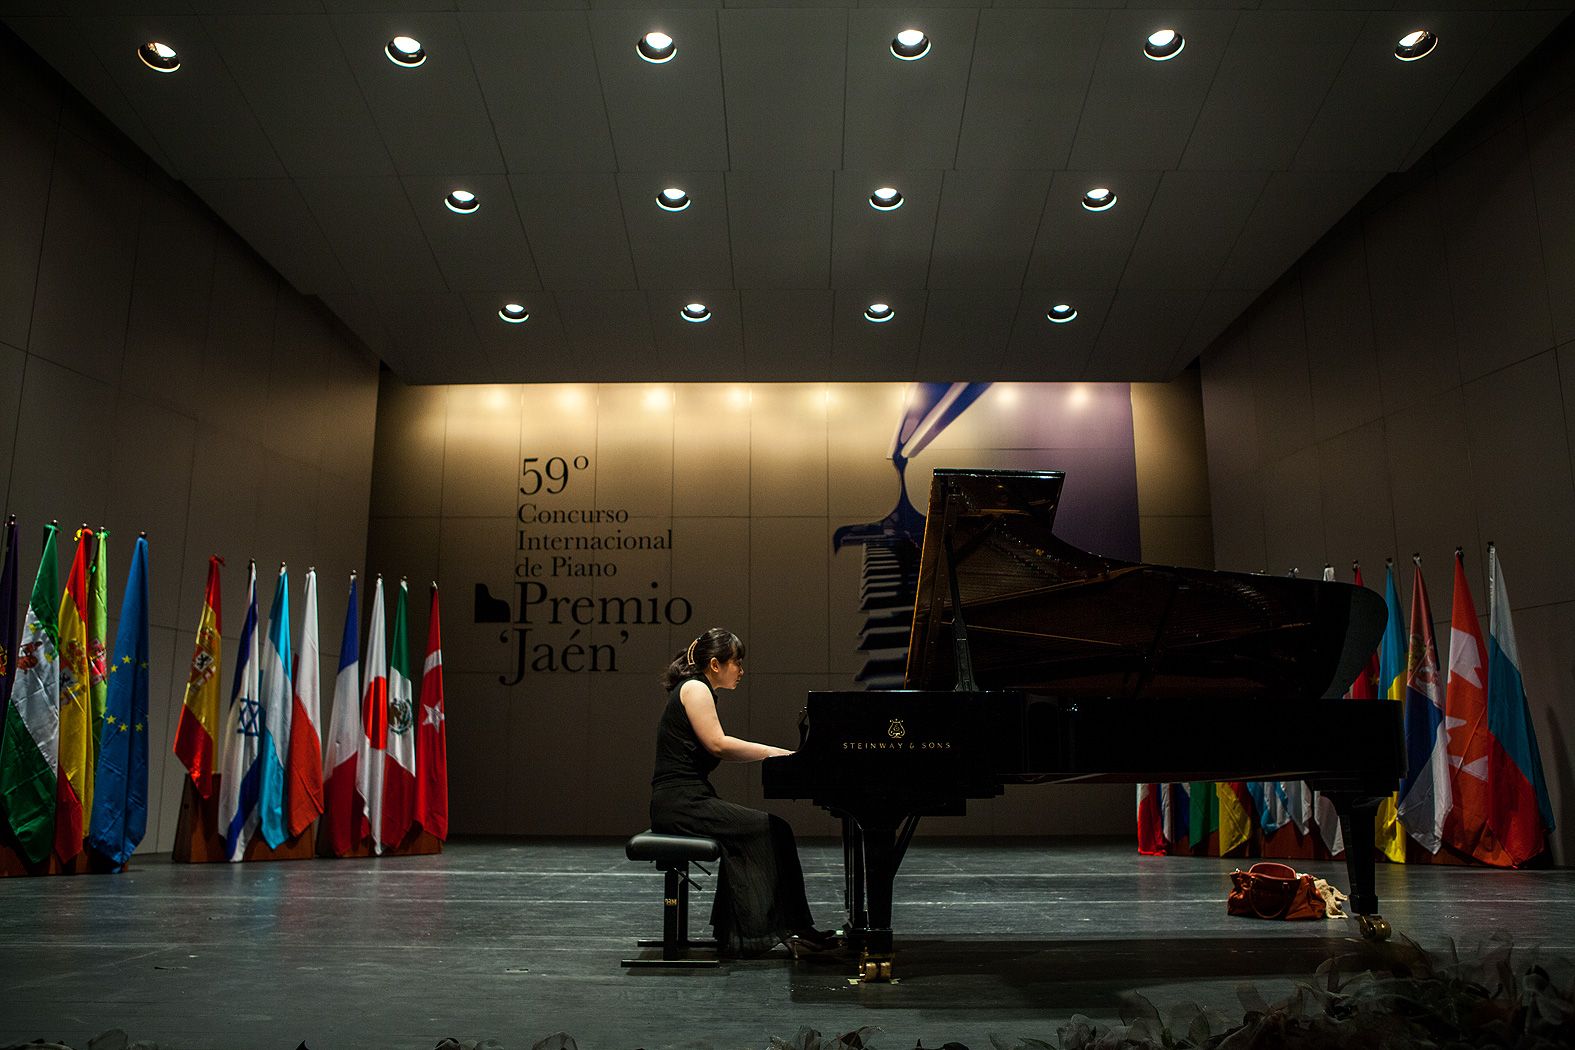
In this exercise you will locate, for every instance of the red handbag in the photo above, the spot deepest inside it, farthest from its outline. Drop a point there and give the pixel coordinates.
(1269, 890)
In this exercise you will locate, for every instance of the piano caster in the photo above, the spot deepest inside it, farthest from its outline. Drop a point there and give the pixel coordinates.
(874, 969)
(1373, 927)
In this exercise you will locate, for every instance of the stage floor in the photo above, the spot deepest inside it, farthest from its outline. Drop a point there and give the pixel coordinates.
(516, 939)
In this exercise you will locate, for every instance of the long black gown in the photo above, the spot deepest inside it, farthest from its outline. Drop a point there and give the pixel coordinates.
(760, 888)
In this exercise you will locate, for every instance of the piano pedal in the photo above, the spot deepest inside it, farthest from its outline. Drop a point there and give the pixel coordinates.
(1373, 927)
(874, 970)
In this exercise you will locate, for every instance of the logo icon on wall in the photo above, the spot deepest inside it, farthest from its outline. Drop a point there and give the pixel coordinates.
(895, 729)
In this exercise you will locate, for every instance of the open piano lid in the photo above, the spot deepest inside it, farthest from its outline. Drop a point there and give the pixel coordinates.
(1044, 616)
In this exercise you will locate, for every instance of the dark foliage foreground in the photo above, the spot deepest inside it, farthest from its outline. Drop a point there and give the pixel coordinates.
(1378, 997)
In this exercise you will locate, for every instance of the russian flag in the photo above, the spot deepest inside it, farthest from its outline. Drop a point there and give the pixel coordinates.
(1519, 812)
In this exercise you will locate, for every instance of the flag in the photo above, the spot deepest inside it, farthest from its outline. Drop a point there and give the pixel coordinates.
(1150, 825)
(239, 782)
(199, 714)
(374, 725)
(74, 785)
(432, 736)
(1366, 685)
(306, 746)
(1424, 793)
(1203, 814)
(399, 761)
(274, 686)
(341, 812)
(8, 622)
(1329, 826)
(1269, 805)
(120, 794)
(1388, 835)
(1172, 813)
(1519, 811)
(30, 752)
(1466, 721)
(1235, 815)
(98, 635)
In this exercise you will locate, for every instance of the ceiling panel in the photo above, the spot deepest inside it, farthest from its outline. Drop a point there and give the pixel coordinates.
(1351, 132)
(1075, 245)
(704, 352)
(1025, 87)
(965, 334)
(780, 222)
(310, 107)
(537, 71)
(273, 217)
(432, 117)
(906, 114)
(685, 249)
(372, 229)
(484, 250)
(861, 351)
(668, 115)
(1294, 210)
(608, 332)
(984, 234)
(218, 136)
(889, 248)
(1139, 112)
(363, 318)
(1039, 350)
(575, 227)
(1270, 84)
(1220, 307)
(435, 336)
(784, 75)
(1142, 332)
(1191, 226)
(534, 351)
(787, 334)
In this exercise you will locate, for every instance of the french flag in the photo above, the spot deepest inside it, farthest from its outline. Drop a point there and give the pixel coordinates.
(340, 831)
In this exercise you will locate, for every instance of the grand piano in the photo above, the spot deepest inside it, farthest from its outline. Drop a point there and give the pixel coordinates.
(1033, 662)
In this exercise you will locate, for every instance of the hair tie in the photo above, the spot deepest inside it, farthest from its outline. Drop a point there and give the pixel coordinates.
(689, 653)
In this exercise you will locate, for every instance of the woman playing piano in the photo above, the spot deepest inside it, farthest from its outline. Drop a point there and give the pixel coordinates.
(760, 890)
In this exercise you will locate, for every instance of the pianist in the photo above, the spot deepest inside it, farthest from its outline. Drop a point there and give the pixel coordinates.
(760, 890)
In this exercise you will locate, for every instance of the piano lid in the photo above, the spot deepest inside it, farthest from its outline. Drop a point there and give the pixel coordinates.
(1044, 616)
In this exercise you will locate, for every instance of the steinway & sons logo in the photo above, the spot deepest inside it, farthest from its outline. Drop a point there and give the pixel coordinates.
(896, 740)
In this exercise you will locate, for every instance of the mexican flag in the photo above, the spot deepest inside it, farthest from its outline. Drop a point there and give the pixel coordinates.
(399, 776)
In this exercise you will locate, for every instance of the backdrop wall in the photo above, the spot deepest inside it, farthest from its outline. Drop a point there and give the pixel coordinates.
(1409, 386)
(160, 377)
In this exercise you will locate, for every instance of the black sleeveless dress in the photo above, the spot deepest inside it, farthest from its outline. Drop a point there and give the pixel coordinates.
(760, 888)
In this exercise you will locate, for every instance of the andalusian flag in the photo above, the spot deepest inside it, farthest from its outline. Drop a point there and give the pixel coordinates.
(199, 714)
(305, 764)
(120, 802)
(432, 736)
(74, 789)
(374, 724)
(276, 704)
(1388, 835)
(30, 753)
(98, 634)
(399, 776)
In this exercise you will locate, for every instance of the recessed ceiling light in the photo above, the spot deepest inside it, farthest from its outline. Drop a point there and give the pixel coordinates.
(514, 313)
(1061, 313)
(695, 313)
(461, 202)
(160, 58)
(657, 47)
(886, 199)
(1100, 198)
(1164, 44)
(910, 45)
(405, 51)
(879, 313)
(672, 199)
(1418, 43)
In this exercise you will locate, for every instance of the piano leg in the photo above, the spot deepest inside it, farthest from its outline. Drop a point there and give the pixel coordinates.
(853, 883)
(880, 869)
(1356, 825)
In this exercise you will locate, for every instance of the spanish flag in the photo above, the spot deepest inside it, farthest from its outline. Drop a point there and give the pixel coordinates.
(74, 786)
(199, 713)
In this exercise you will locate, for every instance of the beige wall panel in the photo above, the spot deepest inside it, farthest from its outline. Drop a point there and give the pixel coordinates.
(711, 436)
(620, 735)
(643, 579)
(1353, 489)
(787, 449)
(844, 619)
(1293, 515)
(1337, 309)
(1430, 476)
(49, 451)
(222, 521)
(410, 432)
(13, 361)
(1167, 432)
(1551, 130)
(1229, 408)
(555, 719)
(788, 561)
(861, 421)
(302, 416)
(1281, 386)
(472, 551)
(481, 450)
(151, 459)
(348, 378)
(710, 567)
(337, 546)
(634, 446)
(1178, 541)
(399, 547)
(240, 341)
(168, 658)
(24, 181)
(478, 709)
(560, 420)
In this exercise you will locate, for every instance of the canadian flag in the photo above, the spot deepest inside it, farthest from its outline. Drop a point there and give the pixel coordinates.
(374, 725)
(340, 830)
(399, 759)
(432, 736)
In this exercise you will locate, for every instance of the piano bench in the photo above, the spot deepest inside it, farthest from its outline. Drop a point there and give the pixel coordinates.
(672, 855)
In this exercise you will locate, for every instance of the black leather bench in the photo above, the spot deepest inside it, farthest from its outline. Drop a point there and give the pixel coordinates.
(672, 855)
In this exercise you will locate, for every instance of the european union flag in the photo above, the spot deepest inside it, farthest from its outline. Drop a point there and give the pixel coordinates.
(120, 800)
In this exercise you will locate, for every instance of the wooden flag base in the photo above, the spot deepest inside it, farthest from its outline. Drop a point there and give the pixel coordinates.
(14, 863)
(416, 843)
(197, 839)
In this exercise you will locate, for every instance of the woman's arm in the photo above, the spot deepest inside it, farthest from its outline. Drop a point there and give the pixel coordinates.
(701, 709)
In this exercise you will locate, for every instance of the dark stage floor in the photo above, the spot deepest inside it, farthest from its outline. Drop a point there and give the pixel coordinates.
(513, 940)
